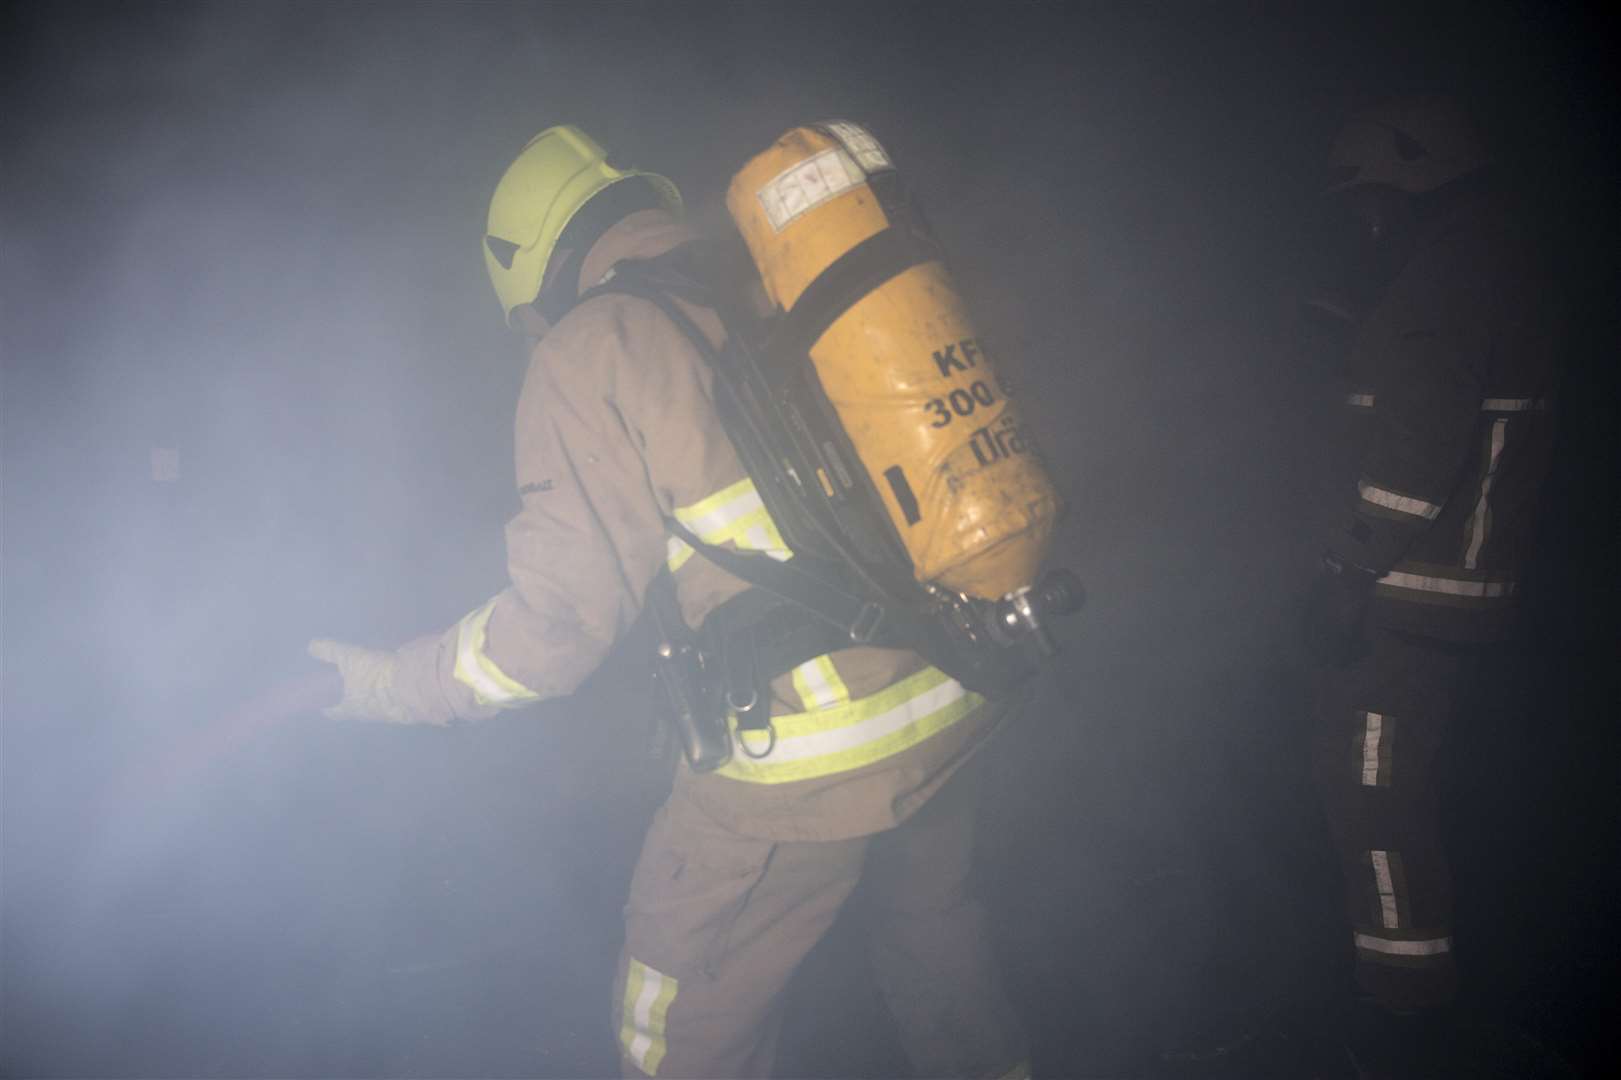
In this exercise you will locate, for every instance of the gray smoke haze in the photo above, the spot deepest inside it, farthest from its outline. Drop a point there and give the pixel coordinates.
(246, 238)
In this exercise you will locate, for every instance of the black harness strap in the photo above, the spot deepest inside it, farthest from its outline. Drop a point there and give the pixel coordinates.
(783, 634)
(863, 621)
(846, 280)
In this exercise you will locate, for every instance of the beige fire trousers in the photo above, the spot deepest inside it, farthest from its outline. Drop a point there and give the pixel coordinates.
(717, 923)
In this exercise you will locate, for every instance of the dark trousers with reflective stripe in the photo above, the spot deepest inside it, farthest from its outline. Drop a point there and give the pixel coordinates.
(717, 923)
(1380, 726)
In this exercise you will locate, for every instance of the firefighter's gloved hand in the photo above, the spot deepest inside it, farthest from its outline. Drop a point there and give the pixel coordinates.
(368, 682)
(1337, 611)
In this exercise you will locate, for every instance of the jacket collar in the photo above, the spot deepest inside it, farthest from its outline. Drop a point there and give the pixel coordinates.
(641, 235)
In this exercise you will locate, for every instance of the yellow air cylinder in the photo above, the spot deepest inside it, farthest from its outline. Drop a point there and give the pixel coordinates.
(904, 369)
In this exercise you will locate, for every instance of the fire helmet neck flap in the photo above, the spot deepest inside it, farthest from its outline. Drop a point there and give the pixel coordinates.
(1412, 144)
(558, 172)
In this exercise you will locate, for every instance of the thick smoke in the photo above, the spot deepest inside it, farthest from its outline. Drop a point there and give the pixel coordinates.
(256, 390)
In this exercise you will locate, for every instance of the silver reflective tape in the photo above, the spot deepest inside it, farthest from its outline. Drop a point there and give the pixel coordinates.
(1373, 731)
(1395, 500)
(1388, 917)
(1392, 947)
(1481, 590)
(1514, 404)
(1363, 400)
(1480, 520)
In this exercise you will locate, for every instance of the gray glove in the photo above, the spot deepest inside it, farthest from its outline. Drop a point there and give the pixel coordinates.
(368, 682)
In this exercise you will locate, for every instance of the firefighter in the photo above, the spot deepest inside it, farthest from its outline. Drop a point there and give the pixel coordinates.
(1453, 373)
(873, 774)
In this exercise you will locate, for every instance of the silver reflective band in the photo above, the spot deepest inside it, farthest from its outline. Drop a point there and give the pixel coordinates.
(1386, 888)
(1395, 500)
(1492, 404)
(1514, 404)
(1391, 947)
(1480, 521)
(1372, 732)
(1485, 590)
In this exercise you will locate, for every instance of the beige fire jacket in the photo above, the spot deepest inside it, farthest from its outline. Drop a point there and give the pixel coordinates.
(616, 434)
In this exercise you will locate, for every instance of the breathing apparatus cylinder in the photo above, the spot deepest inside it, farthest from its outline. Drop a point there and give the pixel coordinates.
(913, 387)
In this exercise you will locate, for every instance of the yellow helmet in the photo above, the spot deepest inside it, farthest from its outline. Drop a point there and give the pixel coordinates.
(558, 172)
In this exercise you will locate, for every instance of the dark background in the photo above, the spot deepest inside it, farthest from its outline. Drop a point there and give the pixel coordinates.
(250, 233)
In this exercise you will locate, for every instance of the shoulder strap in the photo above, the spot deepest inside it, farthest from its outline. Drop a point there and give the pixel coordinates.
(818, 589)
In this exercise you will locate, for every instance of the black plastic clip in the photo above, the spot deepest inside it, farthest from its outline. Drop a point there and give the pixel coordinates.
(868, 620)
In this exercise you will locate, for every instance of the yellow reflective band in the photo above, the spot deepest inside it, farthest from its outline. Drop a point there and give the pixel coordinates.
(846, 737)
(1021, 1071)
(714, 515)
(1394, 500)
(648, 994)
(735, 514)
(755, 531)
(676, 553)
(1359, 400)
(818, 684)
(477, 672)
